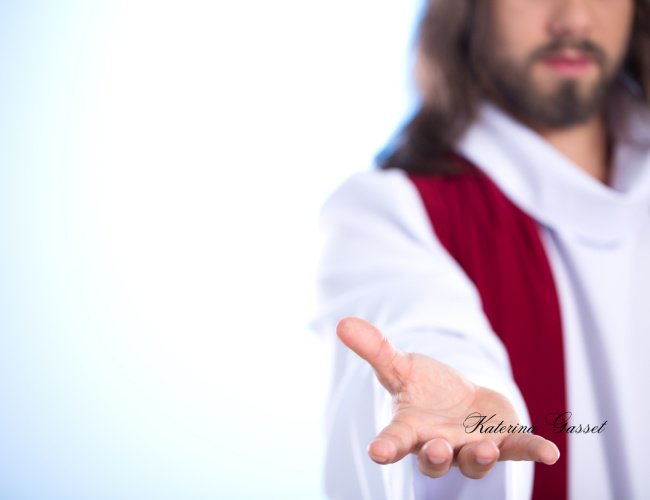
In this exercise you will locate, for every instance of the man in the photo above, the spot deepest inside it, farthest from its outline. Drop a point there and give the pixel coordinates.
(489, 284)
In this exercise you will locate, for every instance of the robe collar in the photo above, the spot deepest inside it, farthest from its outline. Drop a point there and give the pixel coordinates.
(553, 189)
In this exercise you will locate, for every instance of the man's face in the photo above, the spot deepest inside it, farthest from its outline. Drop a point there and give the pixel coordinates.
(553, 61)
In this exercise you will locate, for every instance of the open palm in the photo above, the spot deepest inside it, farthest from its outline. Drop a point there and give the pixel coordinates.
(431, 406)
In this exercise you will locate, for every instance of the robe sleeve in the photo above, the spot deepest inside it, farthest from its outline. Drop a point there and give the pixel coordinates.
(381, 261)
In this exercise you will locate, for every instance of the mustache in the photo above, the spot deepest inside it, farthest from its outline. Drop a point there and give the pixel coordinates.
(584, 46)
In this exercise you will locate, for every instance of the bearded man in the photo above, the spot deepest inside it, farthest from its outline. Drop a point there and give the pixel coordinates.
(489, 283)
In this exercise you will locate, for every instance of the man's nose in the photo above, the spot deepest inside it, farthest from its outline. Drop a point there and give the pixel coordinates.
(571, 19)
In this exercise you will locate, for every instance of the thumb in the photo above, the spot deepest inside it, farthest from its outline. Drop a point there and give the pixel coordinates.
(370, 344)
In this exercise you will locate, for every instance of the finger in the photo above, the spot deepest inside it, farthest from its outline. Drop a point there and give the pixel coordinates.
(476, 459)
(435, 457)
(393, 443)
(369, 343)
(529, 447)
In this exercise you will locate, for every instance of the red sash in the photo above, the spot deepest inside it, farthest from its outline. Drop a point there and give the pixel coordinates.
(499, 248)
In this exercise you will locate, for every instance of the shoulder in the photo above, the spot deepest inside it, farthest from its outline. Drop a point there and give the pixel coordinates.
(374, 198)
(373, 189)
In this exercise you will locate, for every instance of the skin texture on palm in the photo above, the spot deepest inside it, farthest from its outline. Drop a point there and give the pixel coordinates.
(430, 403)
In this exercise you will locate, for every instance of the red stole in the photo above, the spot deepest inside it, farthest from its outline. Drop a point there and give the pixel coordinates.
(499, 248)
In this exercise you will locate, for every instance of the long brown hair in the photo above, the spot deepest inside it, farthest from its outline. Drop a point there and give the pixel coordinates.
(450, 35)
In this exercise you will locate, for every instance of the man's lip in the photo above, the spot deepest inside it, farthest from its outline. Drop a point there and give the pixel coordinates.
(568, 63)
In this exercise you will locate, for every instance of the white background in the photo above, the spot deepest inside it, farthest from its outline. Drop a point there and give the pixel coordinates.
(162, 165)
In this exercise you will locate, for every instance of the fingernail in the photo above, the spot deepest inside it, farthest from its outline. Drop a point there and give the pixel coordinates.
(483, 460)
(436, 460)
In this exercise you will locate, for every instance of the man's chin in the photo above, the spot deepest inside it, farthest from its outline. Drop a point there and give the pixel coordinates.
(584, 91)
(584, 85)
(566, 105)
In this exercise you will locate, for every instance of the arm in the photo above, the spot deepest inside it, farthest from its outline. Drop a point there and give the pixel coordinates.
(381, 262)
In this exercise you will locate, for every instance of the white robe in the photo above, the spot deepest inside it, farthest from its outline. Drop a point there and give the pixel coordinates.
(381, 261)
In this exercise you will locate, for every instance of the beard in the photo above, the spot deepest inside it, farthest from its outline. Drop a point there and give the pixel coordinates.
(568, 103)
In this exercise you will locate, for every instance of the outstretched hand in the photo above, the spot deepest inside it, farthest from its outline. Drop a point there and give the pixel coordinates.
(431, 402)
